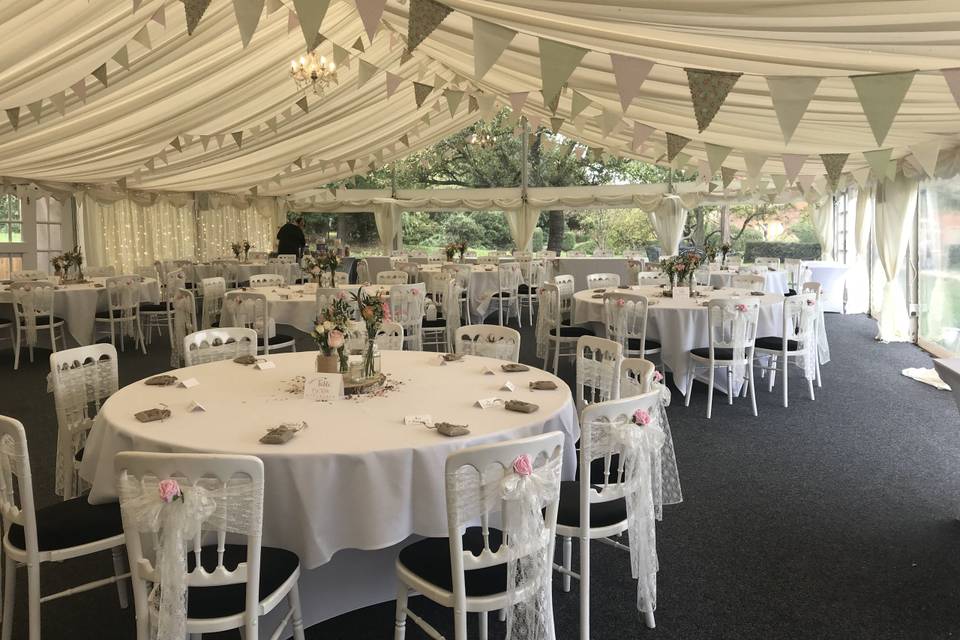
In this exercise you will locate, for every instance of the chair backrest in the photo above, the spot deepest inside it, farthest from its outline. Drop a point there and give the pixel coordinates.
(548, 311)
(412, 269)
(30, 274)
(566, 285)
(82, 378)
(636, 376)
(225, 495)
(407, 306)
(389, 336)
(286, 270)
(596, 280)
(101, 272)
(702, 275)
(625, 318)
(767, 262)
(392, 277)
(246, 309)
(341, 277)
(266, 280)
(800, 314)
(794, 268)
(213, 290)
(213, 345)
(434, 259)
(510, 277)
(173, 281)
(488, 340)
(598, 370)
(651, 278)
(751, 283)
(181, 321)
(812, 287)
(123, 296)
(734, 261)
(363, 271)
(436, 283)
(488, 259)
(17, 505)
(733, 325)
(32, 305)
(287, 258)
(147, 271)
(477, 490)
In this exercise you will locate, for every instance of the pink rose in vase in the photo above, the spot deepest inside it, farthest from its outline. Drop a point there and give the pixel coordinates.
(335, 339)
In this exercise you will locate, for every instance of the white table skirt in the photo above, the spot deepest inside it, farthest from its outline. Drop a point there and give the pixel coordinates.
(357, 478)
(949, 370)
(774, 281)
(832, 276)
(483, 284)
(680, 325)
(77, 304)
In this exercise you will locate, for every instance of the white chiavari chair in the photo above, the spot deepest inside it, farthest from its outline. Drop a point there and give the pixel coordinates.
(122, 315)
(598, 370)
(156, 315)
(625, 319)
(566, 285)
(108, 271)
(252, 311)
(823, 347)
(488, 340)
(33, 306)
(213, 345)
(213, 290)
(532, 273)
(550, 332)
(603, 280)
(389, 336)
(507, 294)
(748, 282)
(29, 274)
(266, 280)
(798, 340)
(489, 259)
(182, 322)
(392, 277)
(407, 305)
(363, 271)
(767, 262)
(636, 376)
(412, 269)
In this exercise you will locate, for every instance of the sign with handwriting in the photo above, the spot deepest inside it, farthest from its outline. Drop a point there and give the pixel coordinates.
(323, 387)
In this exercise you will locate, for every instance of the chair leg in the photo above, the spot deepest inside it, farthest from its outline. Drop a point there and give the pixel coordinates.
(690, 373)
(297, 622)
(9, 586)
(819, 381)
(730, 385)
(773, 373)
(482, 624)
(556, 357)
(650, 620)
(16, 351)
(567, 560)
(753, 392)
(459, 625)
(33, 601)
(786, 379)
(584, 588)
(710, 391)
(400, 619)
(119, 568)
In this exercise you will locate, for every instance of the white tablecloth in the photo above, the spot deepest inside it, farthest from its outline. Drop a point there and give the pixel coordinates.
(949, 370)
(77, 304)
(245, 270)
(581, 267)
(484, 282)
(680, 325)
(357, 478)
(774, 281)
(832, 276)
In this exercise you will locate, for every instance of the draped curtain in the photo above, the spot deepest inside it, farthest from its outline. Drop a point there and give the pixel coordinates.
(822, 218)
(220, 227)
(894, 215)
(522, 223)
(387, 216)
(858, 297)
(668, 219)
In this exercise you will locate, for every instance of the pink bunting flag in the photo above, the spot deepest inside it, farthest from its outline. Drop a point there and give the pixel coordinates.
(370, 13)
(952, 76)
(630, 74)
(640, 134)
(517, 100)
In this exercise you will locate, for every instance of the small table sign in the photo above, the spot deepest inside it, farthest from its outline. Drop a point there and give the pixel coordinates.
(188, 383)
(425, 420)
(487, 403)
(323, 386)
(508, 386)
(487, 371)
(195, 406)
(264, 364)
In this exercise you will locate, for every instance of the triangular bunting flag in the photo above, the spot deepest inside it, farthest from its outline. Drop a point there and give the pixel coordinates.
(674, 144)
(713, 186)
(640, 134)
(805, 182)
(533, 120)
(162, 156)
(406, 56)
(892, 170)
(143, 37)
(424, 17)
(36, 110)
(878, 161)
(358, 45)
(555, 124)
(927, 154)
(302, 103)
(220, 137)
(517, 100)
(420, 92)
(791, 96)
(473, 104)
(709, 89)
(100, 73)
(150, 164)
(248, 16)
(880, 96)
(578, 103)
(13, 115)
(272, 124)
(238, 138)
(122, 183)
(833, 163)
(352, 164)
(557, 62)
(136, 5)
(609, 120)
(122, 58)
(551, 105)
(393, 82)
(365, 71)
(298, 163)
(425, 119)
(453, 100)
(716, 154)
(862, 176)
(754, 162)
(681, 160)
(489, 42)
(194, 10)
(630, 74)
(792, 164)
(370, 13)
(727, 175)
(952, 76)
(405, 140)
(80, 88)
(310, 15)
(487, 104)
(59, 101)
(779, 181)
(292, 22)
(160, 17)
(340, 55)
(175, 143)
(205, 142)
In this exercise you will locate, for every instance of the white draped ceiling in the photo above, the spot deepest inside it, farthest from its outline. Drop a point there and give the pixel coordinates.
(208, 85)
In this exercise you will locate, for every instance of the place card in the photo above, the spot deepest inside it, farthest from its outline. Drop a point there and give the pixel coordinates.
(680, 293)
(323, 387)
(487, 371)
(195, 406)
(426, 420)
(508, 386)
(487, 403)
(264, 364)
(188, 383)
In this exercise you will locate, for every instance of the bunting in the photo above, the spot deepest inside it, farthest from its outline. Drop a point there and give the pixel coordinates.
(420, 92)
(880, 96)
(194, 10)
(674, 145)
(517, 100)
(716, 154)
(557, 62)
(13, 115)
(238, 138)
(489, 42)
(424, 17)
(708, 90)
(629, 73)
(793, 164)
(247, 13)
(304, 106)
(453, 100)
(640, 134)
(833, 164)
(791, 96)
(365, 71)
(310, 14)
(952, 76)
(370, 13)
(100, 73)
(727, 175)
(393, 82)
(578, 103)
(927, 154)
(878, 160)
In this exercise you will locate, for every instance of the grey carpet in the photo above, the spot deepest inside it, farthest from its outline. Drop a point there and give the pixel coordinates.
(830, 519)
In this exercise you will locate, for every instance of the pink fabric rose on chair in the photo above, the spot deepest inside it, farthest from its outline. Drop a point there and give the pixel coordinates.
(741, 307)
(335, 339)
(169, 490)
(657, 376)
(523, 465)
(641, 417)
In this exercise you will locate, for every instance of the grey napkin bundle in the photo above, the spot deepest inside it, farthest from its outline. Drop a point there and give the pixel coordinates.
(452, 430)
(152, 415)
(520, 406)
(543, 385)
(247, 359)
(163, 380)
(514, 367)
(452, 357)
(278, 435)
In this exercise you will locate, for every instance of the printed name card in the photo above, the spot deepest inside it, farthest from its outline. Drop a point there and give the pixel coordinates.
(508, 386)
(425, 420)
(189, 382)
(323, 387)
(487, 371)
(679, 293)
(195, 406)
(264, 364)
(487, 403)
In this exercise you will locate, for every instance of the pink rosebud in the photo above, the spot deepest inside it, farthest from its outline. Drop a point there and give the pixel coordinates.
(657, 376)
(741, 307)
(621, 302)
(523, 465)
(169, 490)
(641, 417)
(810, 303)
(335, 339)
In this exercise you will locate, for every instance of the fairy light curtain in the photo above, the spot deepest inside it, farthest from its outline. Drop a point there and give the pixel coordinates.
(234, 219)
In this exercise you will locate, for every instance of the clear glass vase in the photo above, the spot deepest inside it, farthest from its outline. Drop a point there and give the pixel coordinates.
(370, 367)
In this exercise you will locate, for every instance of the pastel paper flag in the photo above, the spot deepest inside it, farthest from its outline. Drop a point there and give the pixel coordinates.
(792, 164)
(13, 115)
(675, 143)
(248, 16)
(472, 104)
(640, 134)
(557, 62)
(80, 88)
(861, 176)
(370, 13)
(551, 104)
(205, 142)
(122, 58)
(489, 42)
(160, 17)
(36, 110)
(708, 90)
(878, 161)
(340, 55)
(304, 106)
(727, 174)
(393, 81)
(609, 120)
(358, 45)
(754, 162)
(274, 5)
(833, 163)
(779, 181)
(517, 100)
(175, 143)
(365, 71)
(143, 37)
(194, 10)
(453, 100)
(292, 22)
(630, 73)
(791, 96)
(424, 17)
(420, 92)
(880, 96)
(100, 73)
(952, 76)
(272, 124)
(578, 103)
(927, 154)
(681, 160)
(59, 101)
(310, 14)
(238, 138)
(487, 103)
(716, 154)
(555, 124)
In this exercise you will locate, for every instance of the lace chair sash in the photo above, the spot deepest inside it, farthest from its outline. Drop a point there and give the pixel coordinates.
(184, 323)
(32, 301)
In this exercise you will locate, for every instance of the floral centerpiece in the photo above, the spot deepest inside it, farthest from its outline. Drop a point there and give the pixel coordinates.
(330, 334)
(451, 250)
(311, 264)
(246, 249)
(724, 250)
(63, 263)
(237, 249)
(330, 261)
(711, 252)
(373, 312)
(680, 268)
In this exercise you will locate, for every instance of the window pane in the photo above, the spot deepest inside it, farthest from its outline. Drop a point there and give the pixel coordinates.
(43, 241)
(55, 210)
(939, 266)
(55, 242)
(41, 209)
(5, 271)
(17, 263)
(16, 232)
(4, 232)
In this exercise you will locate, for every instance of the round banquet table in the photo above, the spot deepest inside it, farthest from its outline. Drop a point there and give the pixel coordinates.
(357, 478)
(774, 281)
(77, 304)
(247, 269)
(296, 306)
(680, 324)
(832, 277)
(484, 282)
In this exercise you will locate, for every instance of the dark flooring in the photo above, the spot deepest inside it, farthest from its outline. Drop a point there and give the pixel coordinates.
(830, 519)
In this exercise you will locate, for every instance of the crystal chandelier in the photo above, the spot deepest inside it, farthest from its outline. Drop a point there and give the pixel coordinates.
(313, 72)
